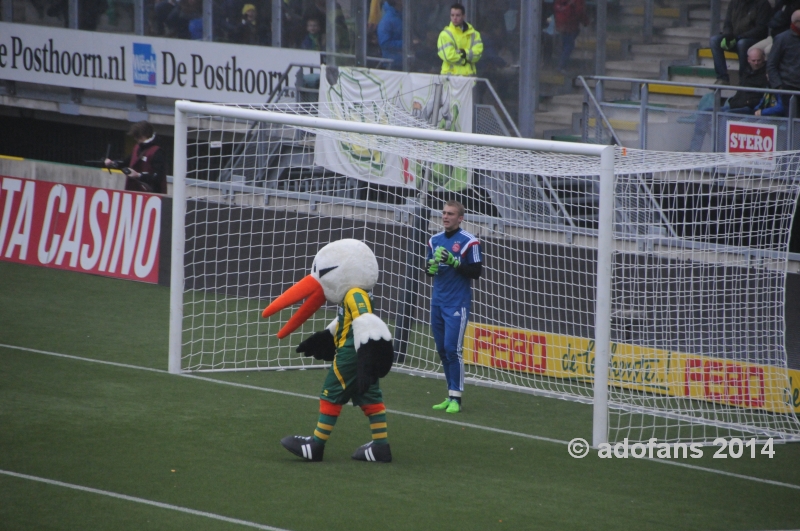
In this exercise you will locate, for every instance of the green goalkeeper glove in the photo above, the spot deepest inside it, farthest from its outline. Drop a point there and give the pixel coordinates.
(433, 267)
(446, 257)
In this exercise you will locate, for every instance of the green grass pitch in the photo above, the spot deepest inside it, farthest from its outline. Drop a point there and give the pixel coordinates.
(89, 446)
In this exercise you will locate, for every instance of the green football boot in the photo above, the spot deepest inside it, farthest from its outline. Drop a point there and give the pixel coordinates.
(443, 405)
(453, 407)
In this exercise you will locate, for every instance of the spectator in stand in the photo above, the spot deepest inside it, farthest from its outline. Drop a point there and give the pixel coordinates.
(250, 30)
(783, 64)
(315, 39)
(743, 102)
(460, 45)
(426, 60)
(770, 105)
(227, 19)
(497, 63)
(495, 53)
(390, 33)
(780, 22)
(181, 16)
(89, 12)
(161, 12)
(745, 24)
(293, 26)
(317, 10)
(569, 15)
(196, 29)
(373, 19)
(375, 15)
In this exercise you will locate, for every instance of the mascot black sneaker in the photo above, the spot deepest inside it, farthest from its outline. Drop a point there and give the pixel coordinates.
(375, 453)
(305, 447)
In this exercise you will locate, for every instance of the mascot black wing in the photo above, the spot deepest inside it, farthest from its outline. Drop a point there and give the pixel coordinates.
(342, 271)
(374, 347)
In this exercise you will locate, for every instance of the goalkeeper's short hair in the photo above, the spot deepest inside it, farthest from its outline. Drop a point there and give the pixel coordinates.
(458, 205)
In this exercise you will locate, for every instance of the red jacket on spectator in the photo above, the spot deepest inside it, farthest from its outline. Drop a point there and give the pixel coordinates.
(569, 14)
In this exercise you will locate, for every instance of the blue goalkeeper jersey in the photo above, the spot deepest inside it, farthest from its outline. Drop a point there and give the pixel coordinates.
(451, 288)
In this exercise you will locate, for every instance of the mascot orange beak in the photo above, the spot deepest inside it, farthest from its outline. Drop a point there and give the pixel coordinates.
(310, 289)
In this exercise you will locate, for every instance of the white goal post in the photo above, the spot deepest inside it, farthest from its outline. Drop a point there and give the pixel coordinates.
(594, 258)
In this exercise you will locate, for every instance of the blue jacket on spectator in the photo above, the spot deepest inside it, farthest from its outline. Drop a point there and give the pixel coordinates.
(390, 36)
(771, 105)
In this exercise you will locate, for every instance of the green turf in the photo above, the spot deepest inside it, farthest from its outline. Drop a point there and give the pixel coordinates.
(197, 444)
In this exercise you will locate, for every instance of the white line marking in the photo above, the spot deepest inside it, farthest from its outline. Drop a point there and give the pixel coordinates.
(402, 413)
(141, 500)
(724, 473)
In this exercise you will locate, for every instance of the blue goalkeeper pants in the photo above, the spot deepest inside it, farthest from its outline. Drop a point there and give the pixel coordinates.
(448, 325)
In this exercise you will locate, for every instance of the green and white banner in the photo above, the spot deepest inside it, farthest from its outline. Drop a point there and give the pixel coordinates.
(344, 91)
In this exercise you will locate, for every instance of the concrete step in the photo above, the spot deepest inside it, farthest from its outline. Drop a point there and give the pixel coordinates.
(566, 107)
(627, 115)
(658, 22)
(660, 3)
(705, 53)
(658, 12)
(685, 41)
(612, 45)
(696, 15)
(562, 103)
(657, 58)
(676, 90)
(660, 49)
(709, 63)
(555, 119)
(677, 102)
(683, 101)
(639, 69)
(692, 74)
(686, 31)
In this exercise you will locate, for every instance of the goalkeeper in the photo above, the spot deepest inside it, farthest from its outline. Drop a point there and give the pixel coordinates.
(453, 260)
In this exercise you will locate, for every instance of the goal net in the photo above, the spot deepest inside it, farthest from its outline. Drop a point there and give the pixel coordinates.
(676, 286)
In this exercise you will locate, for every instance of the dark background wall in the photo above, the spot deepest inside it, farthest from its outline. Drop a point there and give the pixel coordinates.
(257, 253)
(70, 143)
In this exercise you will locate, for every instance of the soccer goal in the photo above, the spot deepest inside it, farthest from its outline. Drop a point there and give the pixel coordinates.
(648, 284)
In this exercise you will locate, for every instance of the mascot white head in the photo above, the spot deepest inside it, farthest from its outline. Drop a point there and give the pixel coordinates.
(338, 267)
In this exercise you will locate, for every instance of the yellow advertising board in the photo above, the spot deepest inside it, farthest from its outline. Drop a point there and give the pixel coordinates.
(663, 372)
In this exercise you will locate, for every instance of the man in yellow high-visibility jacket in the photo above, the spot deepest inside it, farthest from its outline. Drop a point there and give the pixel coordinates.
(460, 45)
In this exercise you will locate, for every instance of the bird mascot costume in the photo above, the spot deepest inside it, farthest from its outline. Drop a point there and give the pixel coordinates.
(357, 343)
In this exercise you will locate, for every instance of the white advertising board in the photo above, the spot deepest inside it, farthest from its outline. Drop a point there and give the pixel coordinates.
(148, 66)
(754, 138)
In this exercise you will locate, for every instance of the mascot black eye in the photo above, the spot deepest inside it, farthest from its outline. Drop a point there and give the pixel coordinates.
(323, 272)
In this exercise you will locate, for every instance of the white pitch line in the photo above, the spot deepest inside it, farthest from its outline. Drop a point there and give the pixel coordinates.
(393, 411)
(402, 413)
(724, 473)
(143, 501)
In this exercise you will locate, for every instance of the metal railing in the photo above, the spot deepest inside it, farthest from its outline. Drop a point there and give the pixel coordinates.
(670, 127)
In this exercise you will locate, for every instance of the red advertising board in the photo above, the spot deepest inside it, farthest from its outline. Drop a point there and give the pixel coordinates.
(80, 228)
(744, 137)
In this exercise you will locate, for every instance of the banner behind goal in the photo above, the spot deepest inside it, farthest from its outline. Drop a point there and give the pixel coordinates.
(666, 270)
